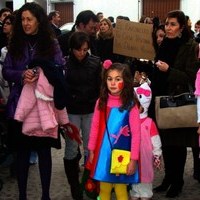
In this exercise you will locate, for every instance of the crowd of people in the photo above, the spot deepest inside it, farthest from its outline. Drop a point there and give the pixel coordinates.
(73, 85)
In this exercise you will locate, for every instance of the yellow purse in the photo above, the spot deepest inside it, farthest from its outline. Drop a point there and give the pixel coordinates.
(119, 161)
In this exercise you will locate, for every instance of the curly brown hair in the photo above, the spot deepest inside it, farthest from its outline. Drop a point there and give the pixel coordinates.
(46, 39)
(127, 95)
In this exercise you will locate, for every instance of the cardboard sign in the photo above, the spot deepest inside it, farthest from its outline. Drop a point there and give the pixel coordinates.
(134, 40)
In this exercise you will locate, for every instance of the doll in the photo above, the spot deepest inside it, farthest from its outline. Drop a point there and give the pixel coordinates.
(150, 148)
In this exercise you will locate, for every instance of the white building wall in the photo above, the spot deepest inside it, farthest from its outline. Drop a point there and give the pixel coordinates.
(18, 4)
(192, 9)
(129, 8)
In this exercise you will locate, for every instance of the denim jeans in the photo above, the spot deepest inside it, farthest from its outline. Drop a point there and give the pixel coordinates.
(83, 123)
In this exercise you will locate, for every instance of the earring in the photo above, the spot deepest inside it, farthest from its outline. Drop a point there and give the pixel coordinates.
(180, 35)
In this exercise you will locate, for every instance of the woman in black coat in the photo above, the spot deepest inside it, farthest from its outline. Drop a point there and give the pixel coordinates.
(83, 79)
(176, 68)
(104, 42)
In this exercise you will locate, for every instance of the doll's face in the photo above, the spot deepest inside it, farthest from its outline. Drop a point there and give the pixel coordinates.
(144, 96)
(115, 82)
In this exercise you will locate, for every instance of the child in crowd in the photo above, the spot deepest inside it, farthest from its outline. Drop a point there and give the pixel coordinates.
(150, 147)
(115, 124)
(142, 72)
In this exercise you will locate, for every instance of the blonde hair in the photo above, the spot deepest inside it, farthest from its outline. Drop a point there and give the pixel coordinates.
(108, 34)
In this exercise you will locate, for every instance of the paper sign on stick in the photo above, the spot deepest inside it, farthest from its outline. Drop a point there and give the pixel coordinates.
(133, 39)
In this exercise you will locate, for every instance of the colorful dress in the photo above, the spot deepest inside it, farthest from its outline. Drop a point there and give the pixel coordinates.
(118, 126)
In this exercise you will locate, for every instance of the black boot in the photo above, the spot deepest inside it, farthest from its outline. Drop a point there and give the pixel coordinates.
(175, 189)
(178, 159)
(72, 173)
(196, 161)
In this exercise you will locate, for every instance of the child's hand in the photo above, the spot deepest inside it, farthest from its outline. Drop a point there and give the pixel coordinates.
(91, 156)
(131, 168)
(157, 162)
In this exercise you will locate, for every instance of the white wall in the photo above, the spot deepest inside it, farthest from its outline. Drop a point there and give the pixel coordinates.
(113, 8)
(18, 4)
(131, 8)
(192, 9)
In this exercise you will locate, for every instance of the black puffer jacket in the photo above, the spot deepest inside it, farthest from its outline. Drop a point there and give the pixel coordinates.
(83, 83)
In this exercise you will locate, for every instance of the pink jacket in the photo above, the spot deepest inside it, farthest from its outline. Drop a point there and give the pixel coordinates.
(37, 111)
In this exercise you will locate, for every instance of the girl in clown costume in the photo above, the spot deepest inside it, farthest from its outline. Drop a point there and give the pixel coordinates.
(150, 147)
(115, 122)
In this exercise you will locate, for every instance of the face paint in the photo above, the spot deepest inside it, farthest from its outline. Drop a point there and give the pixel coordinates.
(121, 85)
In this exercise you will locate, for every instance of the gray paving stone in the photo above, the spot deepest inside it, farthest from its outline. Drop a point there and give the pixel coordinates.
(60, 188)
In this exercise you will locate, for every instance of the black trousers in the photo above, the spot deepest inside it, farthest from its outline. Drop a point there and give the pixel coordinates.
(45, 168)
(174, 160)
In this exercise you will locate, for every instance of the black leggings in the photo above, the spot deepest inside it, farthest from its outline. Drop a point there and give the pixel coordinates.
(45, 167)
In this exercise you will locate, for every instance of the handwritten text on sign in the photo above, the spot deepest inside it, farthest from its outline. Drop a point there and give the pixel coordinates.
(134, 40)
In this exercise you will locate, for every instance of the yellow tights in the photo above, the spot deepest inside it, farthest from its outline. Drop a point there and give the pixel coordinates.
(120, 191)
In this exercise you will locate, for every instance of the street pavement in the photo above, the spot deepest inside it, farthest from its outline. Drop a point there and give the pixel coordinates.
(60, 188)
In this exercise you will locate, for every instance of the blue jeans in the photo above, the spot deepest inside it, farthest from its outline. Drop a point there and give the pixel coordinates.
(33, 157)
(83, 123)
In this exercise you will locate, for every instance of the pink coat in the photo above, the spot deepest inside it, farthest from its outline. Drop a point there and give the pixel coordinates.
(150, 147)
(37, 111)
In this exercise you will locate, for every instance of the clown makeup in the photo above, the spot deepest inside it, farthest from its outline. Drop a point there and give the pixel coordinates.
(115, 82)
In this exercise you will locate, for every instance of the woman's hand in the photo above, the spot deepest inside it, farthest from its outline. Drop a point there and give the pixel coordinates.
(131, 167)
(72, 132)
(162, 66)
(30, 76)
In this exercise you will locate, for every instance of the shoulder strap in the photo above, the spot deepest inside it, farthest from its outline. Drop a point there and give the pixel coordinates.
(108, 134)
